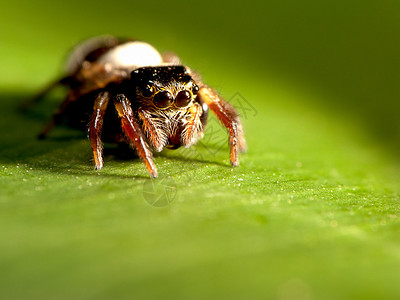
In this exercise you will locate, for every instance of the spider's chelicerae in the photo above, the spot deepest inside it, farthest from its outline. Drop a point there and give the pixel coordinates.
(159, 102)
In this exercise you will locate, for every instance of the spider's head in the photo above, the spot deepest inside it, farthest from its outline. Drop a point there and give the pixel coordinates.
(164, 87)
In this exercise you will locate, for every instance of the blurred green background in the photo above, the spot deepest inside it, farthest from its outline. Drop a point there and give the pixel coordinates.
(311, 213)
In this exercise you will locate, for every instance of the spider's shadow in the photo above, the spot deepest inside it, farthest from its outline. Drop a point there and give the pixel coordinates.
(201, 159)
(123, 152)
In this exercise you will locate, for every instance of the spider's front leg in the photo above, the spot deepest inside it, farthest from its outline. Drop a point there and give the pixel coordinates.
(229, 117)
(133, 132)
(95, 126)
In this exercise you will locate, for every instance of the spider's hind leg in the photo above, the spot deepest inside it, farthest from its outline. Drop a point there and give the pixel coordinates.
(37, 98)
(58, 115)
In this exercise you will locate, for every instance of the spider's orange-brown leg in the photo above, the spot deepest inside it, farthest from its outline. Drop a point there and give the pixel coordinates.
(193, 129)
(156, 137)
(228, 116)
(133, 133)
(95, 126)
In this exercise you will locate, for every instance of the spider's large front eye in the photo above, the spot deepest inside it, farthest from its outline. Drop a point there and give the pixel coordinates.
(163, 99)
(183, 98)
(148, 91)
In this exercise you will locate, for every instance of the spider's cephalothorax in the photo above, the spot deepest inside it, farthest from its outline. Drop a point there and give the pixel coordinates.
(166, 105)
(159, 102)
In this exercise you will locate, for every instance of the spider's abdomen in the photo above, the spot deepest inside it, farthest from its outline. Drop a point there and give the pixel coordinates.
(114, 52)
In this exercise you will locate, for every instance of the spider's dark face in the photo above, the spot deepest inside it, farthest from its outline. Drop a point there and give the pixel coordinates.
(164, 87)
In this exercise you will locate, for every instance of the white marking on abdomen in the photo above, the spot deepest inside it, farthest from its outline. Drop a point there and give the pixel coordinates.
(131, 55)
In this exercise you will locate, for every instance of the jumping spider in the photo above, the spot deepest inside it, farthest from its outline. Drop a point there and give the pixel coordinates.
(159, 102)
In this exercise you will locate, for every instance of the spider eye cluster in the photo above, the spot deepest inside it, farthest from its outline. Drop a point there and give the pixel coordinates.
(165, 99)
(151, 83)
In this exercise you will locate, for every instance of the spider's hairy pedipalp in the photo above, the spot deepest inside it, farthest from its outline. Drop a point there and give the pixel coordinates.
(153, 128)
(193, 128)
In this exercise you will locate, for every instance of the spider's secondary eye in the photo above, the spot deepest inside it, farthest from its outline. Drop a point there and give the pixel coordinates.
(163, 99)
(148, 91)
(195, 89)
(183, 98)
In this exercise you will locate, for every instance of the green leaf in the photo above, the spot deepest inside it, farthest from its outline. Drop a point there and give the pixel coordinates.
(312, 212)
